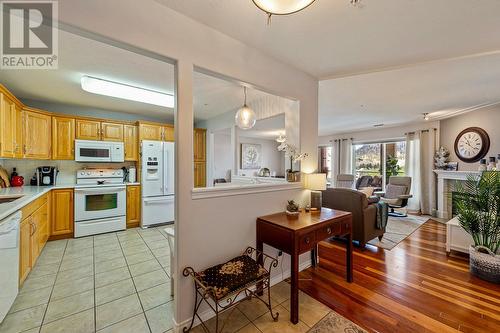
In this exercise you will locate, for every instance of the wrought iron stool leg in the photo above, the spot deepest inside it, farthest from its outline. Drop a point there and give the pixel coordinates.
(195, 310)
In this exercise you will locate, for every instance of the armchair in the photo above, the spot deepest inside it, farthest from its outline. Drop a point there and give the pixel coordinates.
(396, 194)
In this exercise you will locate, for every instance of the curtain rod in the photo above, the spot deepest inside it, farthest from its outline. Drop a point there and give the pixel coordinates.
(341, 140)
(421, 131)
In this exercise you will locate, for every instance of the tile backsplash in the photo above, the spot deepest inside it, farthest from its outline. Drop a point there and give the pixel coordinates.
(67, 169)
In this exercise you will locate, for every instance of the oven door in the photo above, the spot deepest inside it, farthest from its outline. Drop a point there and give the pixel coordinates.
(93, 151)
(98, 203)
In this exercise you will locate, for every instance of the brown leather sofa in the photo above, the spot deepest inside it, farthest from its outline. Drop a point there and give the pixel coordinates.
(364, 214)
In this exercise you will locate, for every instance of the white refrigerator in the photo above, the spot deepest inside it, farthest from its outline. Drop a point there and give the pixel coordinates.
(158, 197)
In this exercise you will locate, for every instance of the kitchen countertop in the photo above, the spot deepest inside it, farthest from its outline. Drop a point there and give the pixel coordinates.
(30, 193)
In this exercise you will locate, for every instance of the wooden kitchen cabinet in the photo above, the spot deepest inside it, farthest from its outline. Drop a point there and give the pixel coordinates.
(168, 133)
(63, 138)
(37, 133)
(131, 143)
(8, 121)
(34, 233)
(25, 231)
(200, 144)
(88, 129)
(133, 206)
(200, 174)
(150, 131)
(19, 132)
(111, 132)
(62, 219)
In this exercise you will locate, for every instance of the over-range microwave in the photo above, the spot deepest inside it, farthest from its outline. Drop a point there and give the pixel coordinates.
(99, 151)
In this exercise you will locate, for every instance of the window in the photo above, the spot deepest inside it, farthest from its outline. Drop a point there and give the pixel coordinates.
(325, 161)
(368, 159)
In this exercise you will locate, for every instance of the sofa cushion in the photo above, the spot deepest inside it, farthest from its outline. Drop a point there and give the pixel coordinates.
(394, 191)
(368, 191)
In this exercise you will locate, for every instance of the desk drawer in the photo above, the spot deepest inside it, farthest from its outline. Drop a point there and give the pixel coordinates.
(307, 241)
(327, 231)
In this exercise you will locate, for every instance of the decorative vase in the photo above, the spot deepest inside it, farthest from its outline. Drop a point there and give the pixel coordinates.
(485, 266)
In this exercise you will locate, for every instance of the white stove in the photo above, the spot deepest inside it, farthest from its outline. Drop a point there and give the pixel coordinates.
(100, 201)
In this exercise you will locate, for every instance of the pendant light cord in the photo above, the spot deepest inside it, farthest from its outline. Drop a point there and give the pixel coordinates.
(245, 92)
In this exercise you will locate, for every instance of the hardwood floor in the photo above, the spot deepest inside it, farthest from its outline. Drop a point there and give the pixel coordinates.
(415, 287)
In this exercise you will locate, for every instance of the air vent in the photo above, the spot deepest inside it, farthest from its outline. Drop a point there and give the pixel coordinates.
(378, 125)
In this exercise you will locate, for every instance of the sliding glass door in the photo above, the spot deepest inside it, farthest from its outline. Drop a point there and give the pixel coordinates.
(379, 160)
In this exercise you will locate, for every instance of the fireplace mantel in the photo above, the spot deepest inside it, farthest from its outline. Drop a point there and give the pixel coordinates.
(444, 177)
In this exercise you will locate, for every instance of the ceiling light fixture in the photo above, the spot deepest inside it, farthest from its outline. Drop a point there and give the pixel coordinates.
(281, 138)
(245, 117)
(125, 91)
(281, 7)
(426, 116)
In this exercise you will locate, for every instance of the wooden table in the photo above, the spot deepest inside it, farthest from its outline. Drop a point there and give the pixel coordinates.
(299, 235)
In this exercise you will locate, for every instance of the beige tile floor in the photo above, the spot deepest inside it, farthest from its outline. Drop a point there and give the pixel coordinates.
(116, 282)
(119, 282)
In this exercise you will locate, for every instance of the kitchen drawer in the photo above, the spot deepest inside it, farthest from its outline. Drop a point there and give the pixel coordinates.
(307, 241)
(327, 231)
(33, 206)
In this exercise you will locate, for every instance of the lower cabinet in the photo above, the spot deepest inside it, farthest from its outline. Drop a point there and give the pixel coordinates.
(62, 222)
(133, 206)
(34, 233)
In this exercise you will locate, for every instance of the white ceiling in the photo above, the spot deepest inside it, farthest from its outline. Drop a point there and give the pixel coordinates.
(401, 96)
(79, 56)
(268, 128)
(332, 37)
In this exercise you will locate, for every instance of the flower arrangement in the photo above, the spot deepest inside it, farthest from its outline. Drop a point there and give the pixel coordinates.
(292, 152)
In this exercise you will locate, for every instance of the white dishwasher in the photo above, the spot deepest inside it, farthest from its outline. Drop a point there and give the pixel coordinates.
(9, 262)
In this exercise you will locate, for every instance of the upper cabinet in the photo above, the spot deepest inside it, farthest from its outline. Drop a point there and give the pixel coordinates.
(63, 138)
(150, 131)
(200, 143)
(111, 131)
(37, 129)
(168, 133)
(88, 129)
(11, 125)
(131, 143)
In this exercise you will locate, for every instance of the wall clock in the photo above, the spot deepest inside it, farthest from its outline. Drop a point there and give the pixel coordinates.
(472, 144)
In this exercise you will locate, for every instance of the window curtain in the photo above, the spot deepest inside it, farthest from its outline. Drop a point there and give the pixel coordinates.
(420, 148)
(345, 161)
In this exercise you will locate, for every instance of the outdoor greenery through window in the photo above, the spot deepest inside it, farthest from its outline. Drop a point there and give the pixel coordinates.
(380, 159)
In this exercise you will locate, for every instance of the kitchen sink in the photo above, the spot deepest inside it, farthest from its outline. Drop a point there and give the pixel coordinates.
(9, 198)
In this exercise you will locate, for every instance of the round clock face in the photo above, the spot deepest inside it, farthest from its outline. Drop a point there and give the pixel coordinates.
(472, 144)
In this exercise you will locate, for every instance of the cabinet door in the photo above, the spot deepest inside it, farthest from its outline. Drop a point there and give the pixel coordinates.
(34, 241)
(25, 232)
(8, 127)
(19, 132)
(131, 143)
(63, 138)
(43, 226)
(112, 132)
(88, 129)
(133, 206)
(150, 132)
(199, 174)
(199, 144)
(168, 133)
(62, 221)
(37, 135)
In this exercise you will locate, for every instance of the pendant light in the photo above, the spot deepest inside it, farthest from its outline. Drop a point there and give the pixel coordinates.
(245, 117)
(282, 7)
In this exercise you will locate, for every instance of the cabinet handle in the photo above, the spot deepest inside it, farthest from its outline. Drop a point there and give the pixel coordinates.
(24, 149)
(307, 240)
(329, 230)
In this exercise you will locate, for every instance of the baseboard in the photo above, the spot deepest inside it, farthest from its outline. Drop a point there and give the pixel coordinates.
(208, 314)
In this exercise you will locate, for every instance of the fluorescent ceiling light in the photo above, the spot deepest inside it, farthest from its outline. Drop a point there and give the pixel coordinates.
(125, 91)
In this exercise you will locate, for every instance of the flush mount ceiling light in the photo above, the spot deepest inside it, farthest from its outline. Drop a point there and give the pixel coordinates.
(281, 138)
(426, 116)
(245, 117)
(125, 91)
(282, 7)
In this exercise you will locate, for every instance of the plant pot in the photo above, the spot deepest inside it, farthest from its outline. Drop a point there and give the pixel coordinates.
(485, 266)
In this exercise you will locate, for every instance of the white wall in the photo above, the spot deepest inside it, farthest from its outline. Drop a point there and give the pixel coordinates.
(202, 227)
(223, 155)
(272, 159)
(488, 119)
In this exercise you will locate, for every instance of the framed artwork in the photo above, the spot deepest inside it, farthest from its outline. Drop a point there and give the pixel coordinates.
(251, 156)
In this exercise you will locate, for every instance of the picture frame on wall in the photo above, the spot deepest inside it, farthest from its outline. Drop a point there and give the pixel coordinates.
(251, 156)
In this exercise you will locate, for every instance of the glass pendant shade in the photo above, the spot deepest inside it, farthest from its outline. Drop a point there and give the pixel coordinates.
(282, 7)
(245, 118)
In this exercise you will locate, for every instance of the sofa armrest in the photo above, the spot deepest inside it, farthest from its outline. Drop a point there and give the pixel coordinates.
(379, 193)
(373, 199)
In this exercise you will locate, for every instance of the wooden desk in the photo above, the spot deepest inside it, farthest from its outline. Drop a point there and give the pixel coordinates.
(302, 234)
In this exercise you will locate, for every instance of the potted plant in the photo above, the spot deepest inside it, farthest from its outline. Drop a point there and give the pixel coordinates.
(478, 208)
(295, 156)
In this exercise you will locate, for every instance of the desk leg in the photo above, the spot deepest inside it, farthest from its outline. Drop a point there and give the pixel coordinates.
(314, 256)
(349, 258)
(294, 290)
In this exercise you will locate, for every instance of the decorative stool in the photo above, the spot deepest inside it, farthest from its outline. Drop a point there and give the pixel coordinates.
(226, 285)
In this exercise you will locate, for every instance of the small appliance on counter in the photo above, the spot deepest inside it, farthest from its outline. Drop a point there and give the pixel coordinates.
(132, 174)
(46, 175)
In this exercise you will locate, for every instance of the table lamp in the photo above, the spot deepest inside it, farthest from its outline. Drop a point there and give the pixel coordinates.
(316, 182)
